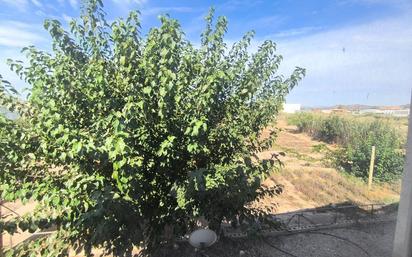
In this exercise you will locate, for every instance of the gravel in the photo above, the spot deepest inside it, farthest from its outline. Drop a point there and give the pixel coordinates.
(373, 240)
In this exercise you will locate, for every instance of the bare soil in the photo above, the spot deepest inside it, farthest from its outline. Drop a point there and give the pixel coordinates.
(309, 182)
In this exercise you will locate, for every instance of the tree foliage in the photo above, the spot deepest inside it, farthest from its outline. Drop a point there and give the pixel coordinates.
(123, 136)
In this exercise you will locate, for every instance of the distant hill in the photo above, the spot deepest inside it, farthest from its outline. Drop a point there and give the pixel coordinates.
(357, 107)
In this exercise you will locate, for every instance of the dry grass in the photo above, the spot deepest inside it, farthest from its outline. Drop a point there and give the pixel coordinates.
(309, 183)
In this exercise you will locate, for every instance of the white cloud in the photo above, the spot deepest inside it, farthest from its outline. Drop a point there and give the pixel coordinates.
(160, 10)
(40, 13)
(19, 4)
(295, 32)
(18, 34)
(73, 3)
(139, 2)
(234, 4)
(363, 60)
(37, 3)
(399, 3)
(269, 21)
(67, 18)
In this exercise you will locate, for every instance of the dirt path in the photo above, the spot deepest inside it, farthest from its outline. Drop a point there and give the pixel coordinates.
(18, 209)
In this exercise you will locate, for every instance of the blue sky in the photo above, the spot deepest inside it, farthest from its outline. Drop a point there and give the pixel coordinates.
(355, 51)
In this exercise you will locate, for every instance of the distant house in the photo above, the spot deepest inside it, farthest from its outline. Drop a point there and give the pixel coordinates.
(369, 111)
(394, 111)
(291, 108)
(327, 111)
(335, 110)
(339, 110)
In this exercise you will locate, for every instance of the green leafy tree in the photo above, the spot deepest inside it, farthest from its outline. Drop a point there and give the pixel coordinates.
(123, 137)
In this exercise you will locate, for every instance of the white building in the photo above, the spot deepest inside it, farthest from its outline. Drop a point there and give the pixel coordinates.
(387, 111)
(397, 113)
(291, 108)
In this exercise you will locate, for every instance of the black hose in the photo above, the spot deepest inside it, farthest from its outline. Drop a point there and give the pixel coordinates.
(341, 238)
(277, 248)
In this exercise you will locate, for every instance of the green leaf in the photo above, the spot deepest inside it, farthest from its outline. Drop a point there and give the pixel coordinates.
(147, 90)
(119, 164)
(123, 60)
(119, 145)
(77, 147)
(115, 175)
(164, 52)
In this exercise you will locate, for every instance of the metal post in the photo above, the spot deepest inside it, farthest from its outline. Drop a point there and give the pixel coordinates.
(402, 246)
(1, 234)
(371, 165)
(373, 211)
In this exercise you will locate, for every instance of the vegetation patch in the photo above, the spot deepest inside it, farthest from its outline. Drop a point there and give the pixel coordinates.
(355, 138)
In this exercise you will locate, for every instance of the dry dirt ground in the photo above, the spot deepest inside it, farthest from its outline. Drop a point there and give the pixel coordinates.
(11, 210)
(308, 182)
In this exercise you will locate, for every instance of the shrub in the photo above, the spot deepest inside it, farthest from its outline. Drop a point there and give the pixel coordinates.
(330, 129)
(356, 138)
(124, 137)
(389, 158)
